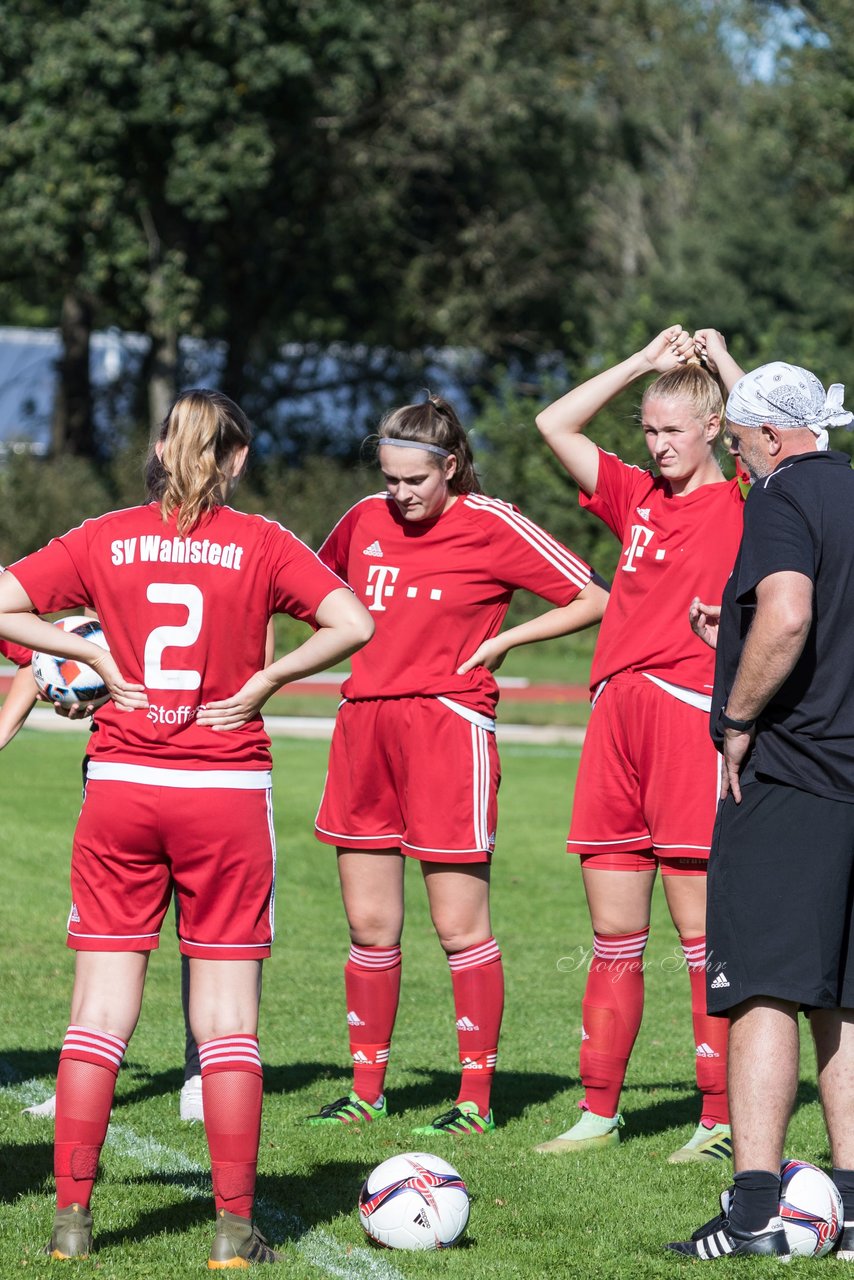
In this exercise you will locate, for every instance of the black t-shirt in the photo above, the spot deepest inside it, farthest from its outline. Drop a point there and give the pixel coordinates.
(799, 519)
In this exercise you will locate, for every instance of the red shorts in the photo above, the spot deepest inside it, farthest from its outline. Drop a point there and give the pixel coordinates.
(136, 841)
(648, 777)
(411, 774)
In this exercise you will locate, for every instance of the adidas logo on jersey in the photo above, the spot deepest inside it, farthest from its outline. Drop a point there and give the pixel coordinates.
(74, 917)
(353, 1019)
(374, 549)
(706, 1051)
(643, 512)
(466, 1024)
(720, 981)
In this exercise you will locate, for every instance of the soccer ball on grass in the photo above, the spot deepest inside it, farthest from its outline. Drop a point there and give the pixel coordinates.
(811, 1209)
(414, 1201)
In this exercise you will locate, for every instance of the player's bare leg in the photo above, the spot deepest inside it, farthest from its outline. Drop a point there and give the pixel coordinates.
(372, 891)
(712, 1138)
(833, 1033)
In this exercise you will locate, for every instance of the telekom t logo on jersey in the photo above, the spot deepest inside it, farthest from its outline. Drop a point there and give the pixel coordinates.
(640, 540)
(381, 580)
(380, 587)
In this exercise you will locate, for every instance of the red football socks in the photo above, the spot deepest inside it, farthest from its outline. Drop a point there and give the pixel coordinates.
(372, 984)
(612, 1010)
(710, 1037)
(232, 1088)
(86, 1080)
(477, 975)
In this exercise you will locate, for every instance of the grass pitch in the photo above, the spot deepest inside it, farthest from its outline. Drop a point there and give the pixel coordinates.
(603, 1214)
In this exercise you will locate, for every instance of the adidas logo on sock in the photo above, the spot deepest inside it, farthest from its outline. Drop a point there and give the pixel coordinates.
(466, 1024)
(362, 1059)
(706, 1051)
(374, 549)
(353, 1019)
(719, 981)
(468, 1064)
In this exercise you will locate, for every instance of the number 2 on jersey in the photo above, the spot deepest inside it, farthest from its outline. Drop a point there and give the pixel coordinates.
(156, 675)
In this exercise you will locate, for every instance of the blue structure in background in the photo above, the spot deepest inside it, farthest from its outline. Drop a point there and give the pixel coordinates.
(309, 400)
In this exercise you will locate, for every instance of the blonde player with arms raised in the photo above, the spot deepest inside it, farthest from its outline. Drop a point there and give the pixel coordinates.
(172, 799)
(647, 784)
(414, 769)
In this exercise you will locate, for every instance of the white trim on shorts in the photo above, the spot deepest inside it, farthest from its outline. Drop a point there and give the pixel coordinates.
(702, 701)
(192, 779)
(473, 717)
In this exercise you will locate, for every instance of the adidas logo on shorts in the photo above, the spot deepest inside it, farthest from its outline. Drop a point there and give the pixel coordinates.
(706, 1051)
(353, 1019)
(74, 917)
(466, 1024)
(719, 982)
(374, 549)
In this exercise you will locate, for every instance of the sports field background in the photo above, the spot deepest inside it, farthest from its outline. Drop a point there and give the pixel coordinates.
(533, 1216)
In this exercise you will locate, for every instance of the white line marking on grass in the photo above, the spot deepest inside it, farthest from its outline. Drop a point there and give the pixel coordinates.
(317, 1245)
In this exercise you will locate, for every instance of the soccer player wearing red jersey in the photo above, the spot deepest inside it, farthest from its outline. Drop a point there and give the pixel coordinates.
(172, 799)
(414, 769)
(647, 783)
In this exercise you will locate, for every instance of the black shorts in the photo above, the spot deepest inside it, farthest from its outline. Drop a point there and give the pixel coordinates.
(780, 894)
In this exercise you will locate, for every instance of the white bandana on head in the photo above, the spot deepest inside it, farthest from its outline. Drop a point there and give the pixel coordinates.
(785, 395)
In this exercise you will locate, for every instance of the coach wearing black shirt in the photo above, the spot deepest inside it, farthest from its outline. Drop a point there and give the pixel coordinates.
(780, 935)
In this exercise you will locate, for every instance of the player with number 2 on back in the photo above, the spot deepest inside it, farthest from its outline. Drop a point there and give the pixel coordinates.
(178, 790)
(647, 784)
(413, 769)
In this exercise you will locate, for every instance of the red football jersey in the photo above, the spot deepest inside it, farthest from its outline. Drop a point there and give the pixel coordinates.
(673, 549)
(16, 653)
(436, 589)
(184, 616)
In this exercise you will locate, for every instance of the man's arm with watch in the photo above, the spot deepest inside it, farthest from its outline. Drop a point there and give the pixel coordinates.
(775, 641)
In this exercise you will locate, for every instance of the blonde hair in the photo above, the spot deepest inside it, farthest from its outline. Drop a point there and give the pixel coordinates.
(690, 383)
(199, 436)
(435, 422)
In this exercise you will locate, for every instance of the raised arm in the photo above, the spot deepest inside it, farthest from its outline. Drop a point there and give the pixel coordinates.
(710, 346)
(562, 423)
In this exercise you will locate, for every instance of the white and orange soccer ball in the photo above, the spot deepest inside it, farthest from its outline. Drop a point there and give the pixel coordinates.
(68, 682)
(414, 1201)
(811, 1209)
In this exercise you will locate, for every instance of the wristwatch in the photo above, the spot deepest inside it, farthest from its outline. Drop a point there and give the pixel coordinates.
(741, 726)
